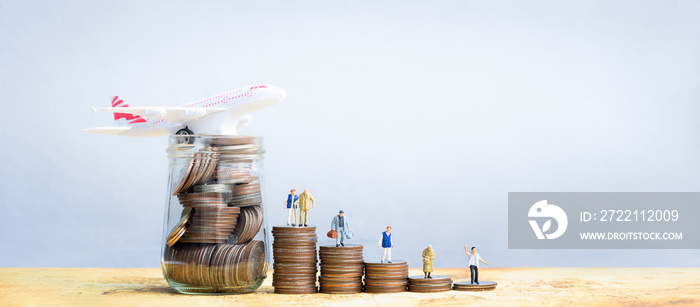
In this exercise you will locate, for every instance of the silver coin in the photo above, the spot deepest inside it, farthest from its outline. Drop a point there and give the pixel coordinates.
(213, 188)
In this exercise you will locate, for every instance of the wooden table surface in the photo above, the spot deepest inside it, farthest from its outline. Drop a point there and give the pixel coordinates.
(516, 286)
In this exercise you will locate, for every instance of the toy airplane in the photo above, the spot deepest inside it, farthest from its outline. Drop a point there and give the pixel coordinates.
(222, 114)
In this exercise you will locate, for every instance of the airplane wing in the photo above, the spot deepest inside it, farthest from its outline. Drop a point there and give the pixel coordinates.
(108, 130)
(173, 114)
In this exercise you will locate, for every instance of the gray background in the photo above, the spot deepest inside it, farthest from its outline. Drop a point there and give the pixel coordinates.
(422, 116)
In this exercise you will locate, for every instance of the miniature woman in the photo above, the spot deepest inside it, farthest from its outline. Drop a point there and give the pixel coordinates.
(428, 257)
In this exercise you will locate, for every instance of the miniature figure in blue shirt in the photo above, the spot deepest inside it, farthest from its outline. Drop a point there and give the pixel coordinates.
(340, 224)
(291, 205)
(387, 243)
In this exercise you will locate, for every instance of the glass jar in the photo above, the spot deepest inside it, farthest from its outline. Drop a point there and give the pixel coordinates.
(214, 233)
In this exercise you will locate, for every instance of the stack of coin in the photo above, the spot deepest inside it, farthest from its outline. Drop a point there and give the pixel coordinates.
(246, 194)
(341, 269)
(235, 158)
(220, 266)
(238, 265)
(189, 263)
(419, 283)
(211, 225)
(180, 228)
(199, 171)
(481, 286)
(249, 223)
(385, 277)
(294, 252)
(202, 199)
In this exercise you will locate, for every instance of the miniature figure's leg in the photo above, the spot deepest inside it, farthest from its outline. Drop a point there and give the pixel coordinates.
(384, 254)
(471, 270)
(388, 252)
(340, 235)
(476, 275)
(289, 216)
(306, 216)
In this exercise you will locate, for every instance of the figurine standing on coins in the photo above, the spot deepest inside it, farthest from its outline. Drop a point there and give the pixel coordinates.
(387, 243)
(428, 257)
(474, 259)
(305, 199)
(340, 224)
(291, 206)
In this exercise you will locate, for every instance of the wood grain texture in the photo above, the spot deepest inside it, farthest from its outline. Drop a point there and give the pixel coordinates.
(516, 287)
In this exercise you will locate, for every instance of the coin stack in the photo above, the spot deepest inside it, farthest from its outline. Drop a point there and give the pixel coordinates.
(481, 286)
(437, 283)
(218, 186)
(211, 225)
(294, 253)
(212, 244)
(217, 265)
(249, 223)
(385, 277)
(341, 269)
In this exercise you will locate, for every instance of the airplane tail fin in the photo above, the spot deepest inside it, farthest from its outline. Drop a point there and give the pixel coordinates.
(123, 119)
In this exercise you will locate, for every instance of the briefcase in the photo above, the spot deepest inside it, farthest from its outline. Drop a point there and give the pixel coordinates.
(332, 234)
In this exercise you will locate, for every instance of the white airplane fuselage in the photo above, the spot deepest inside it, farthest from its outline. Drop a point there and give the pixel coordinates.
(237, 103)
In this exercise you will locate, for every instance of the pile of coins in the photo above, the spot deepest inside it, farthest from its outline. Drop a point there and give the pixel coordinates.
(199, 171)
(212, 245)
(221, 199)
(294, 253)
(341, 269)
(218, 266)
(249, 223)
(438, 283)
(211, 225)
(385, 277)
(481, 286)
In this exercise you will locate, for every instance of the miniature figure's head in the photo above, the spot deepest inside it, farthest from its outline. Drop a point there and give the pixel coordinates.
(430, 247)
(388, 229)
(293, 191)
(306, 190)
(341, 213)
(473, 249)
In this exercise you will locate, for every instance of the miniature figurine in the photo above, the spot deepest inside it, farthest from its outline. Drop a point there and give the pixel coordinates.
(304, 199)
(474, 259)
(195, 117)
(387, 243)
(340, 224)
(291, 206)
(428, 257)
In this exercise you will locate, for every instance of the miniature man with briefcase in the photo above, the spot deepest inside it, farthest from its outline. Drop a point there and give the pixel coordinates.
(341, 226)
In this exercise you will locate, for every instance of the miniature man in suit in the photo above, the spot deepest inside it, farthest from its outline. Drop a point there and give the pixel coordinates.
(305, 199)
(291, 206)
(474, 259)
(387, 243)
(340, 224)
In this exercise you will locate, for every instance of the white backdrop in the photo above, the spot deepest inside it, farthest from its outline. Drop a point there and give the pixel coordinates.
(417, 115)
